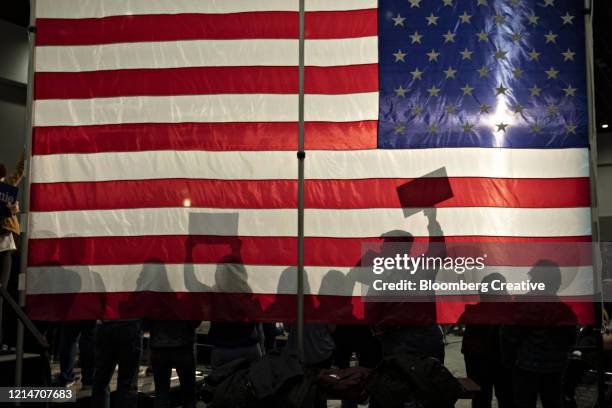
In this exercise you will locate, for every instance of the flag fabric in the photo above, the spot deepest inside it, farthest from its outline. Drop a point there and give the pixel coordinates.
(164, 172)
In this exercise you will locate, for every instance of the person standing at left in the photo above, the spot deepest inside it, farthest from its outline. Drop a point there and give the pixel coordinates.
(9, 230)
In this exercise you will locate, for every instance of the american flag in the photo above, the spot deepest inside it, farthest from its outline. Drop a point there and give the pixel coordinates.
(164, 176)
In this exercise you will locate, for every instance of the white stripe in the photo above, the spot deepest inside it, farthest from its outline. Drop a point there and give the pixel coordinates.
(454, 221)
(575, 281)
(243, 165)
(104, 8)
(203, 53)
(204, 108)
(458, 162)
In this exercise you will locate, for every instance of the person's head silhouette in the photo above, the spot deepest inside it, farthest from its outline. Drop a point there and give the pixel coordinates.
(547, 272)
(396, 241)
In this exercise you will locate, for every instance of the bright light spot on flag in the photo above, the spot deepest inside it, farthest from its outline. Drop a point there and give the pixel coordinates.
(187, 203)
(502, 115)
(604, 126)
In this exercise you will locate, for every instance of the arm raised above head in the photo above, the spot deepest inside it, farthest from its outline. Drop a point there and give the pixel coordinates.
(15, 177)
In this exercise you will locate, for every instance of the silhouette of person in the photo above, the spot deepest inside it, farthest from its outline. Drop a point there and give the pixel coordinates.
(480, 347)
(233, 333)
(9, 230)
(119, 343)
(81, 332)
(172, 341)
(536, 348)
(409, 325)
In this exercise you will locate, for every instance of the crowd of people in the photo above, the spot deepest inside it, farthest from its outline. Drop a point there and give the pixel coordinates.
(518, 363)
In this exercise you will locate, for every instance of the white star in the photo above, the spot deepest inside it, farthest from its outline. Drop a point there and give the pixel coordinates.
(500, 90)
(449, 36)
(433, 55)
(432, 20)
(550, 37)
(514, 3)
(448, 2)
(517, 72)
(569, 91)
(417, 110)
(535, 90)
(499, 19)
(399, 128)
(399, 20)
(467, 89)
(450, 72)
(484, 108)
(549, 3)
(400, 91)
(468, 127)
(416, 74)
(465, 17)
(536, 128)
(433, 91)
(501, 127)
(570, 128)
(482, 35)
(568, 55)
(553, 109)
(533, 19)
(416, 37)
(466, 54)
(518, 108)
(433, 128)
(450, 109)
(567, 19)
(481, 3)
(500, 54)
(517, 37)
(534, 55)
(399, 55)
(483, 72)
(552, 73)
(415, 3)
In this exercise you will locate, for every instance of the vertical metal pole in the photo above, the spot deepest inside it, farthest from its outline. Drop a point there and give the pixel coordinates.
(301, 154)
(597, 275)
(26, 204)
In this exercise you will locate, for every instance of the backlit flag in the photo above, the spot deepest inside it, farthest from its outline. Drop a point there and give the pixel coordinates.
(164, 169)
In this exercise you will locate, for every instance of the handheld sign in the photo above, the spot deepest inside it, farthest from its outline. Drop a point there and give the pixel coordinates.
(8, 194)
(426, 191)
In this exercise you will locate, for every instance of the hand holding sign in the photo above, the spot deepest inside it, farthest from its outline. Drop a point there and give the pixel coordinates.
(424, 193)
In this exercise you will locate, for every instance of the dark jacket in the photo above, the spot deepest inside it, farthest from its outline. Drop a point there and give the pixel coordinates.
(543, 345)
(172, 333)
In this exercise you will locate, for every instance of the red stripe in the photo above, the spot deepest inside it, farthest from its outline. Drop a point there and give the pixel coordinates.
(281, 250)
(203, 136)
(338, 194)
(205, 80)
(174, 27)
(264, 307)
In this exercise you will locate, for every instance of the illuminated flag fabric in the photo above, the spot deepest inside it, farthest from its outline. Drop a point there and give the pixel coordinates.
(164, 174)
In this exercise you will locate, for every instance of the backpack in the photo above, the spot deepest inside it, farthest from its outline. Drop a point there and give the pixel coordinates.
(270, 373)
(345, 384)
(299, 392)
(228, 386)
